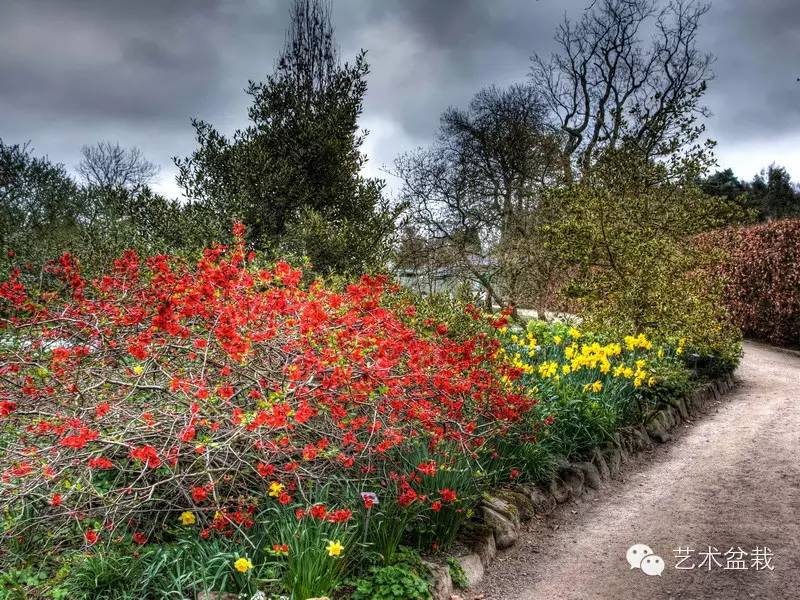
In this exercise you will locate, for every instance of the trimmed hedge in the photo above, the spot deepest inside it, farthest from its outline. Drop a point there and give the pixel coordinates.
(761, 272)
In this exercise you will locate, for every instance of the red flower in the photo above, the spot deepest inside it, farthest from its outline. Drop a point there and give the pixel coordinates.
(265, 470)
(318, 511)
(148, 455)
(7, 407)
(102, 409)
(140, 538)
(78, 441)
(309, 452)
(284, 498)
(55, 500)
(514, 473)
(199, 494)
(239, 230)
(22, 469)
(407, 497)
(436, 506)
(341, 515)
(100, 462)
(280, 548)
(225, 391)
(188, 434)
(448, 495)
(428, 468)
(299, 513)
(91, 537)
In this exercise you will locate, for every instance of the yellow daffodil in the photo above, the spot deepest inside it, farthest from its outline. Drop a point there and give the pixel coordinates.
(242, 565)
(187, 518)
(138, 369)
(275, 489)
(597, 386)
(334, 548)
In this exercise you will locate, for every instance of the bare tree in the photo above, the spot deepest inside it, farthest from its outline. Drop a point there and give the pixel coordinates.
(109, 165)
(476, 191)
(606, 87)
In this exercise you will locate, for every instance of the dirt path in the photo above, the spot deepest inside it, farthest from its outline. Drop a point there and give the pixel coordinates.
(731, 479)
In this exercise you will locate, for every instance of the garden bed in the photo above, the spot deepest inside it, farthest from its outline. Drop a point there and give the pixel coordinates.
(230, 426)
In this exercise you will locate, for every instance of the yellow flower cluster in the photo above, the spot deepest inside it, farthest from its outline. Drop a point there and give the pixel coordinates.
(612, 360)
(639, 341)
(243, 565)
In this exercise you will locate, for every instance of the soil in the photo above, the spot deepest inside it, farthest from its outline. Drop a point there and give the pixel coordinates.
(731, 479)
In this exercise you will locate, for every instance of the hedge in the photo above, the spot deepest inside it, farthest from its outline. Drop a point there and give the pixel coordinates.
(761, 274)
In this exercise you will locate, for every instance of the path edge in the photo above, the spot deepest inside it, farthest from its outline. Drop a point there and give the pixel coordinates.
(502, 512)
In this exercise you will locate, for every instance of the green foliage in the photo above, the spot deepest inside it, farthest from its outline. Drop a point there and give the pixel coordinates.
(45, 213)
(623, 234)
(294, 175)
(457, 574)
(313, 567)
(104, 575)
(391, 583)
(437, 529)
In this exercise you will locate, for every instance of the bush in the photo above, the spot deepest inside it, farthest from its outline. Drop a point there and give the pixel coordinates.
(623, 234)
(167, 397)
(760, 270)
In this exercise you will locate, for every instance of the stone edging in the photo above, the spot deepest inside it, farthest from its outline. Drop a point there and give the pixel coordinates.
(502, 512)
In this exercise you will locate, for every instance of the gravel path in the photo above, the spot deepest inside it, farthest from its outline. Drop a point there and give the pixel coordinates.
(729, 480)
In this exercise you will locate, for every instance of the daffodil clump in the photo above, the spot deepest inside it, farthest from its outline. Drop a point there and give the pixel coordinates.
(556, 353)
(588, 385)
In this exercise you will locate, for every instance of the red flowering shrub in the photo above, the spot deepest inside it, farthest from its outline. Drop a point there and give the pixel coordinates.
(203, 390)
(761, 272)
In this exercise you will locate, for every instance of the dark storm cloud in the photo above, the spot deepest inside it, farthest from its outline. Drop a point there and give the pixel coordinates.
(76, 71)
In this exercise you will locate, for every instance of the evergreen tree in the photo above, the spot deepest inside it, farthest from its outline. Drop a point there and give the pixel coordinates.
(294, 174)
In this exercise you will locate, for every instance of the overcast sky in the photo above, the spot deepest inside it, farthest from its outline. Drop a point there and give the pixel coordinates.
(73, 72)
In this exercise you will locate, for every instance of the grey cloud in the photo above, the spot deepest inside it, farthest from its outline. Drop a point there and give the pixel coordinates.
(73, 72)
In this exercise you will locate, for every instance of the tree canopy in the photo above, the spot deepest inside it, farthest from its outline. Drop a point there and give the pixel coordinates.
(294, 174)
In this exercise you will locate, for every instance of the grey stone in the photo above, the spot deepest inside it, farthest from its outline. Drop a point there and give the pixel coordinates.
(441, 582)
(559, 490)
(640, 439)
(591, 476)
(479, 538)
(502, 506)
(506, 531)
(672, 417)
(472, 566)
(655, 429)
(573, 479)
(523, 504)
(613, 458)
(599, 461)
(680, 405)
(542, 503)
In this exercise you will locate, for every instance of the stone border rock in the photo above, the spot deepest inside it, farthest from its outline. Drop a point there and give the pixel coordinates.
(501, 513)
